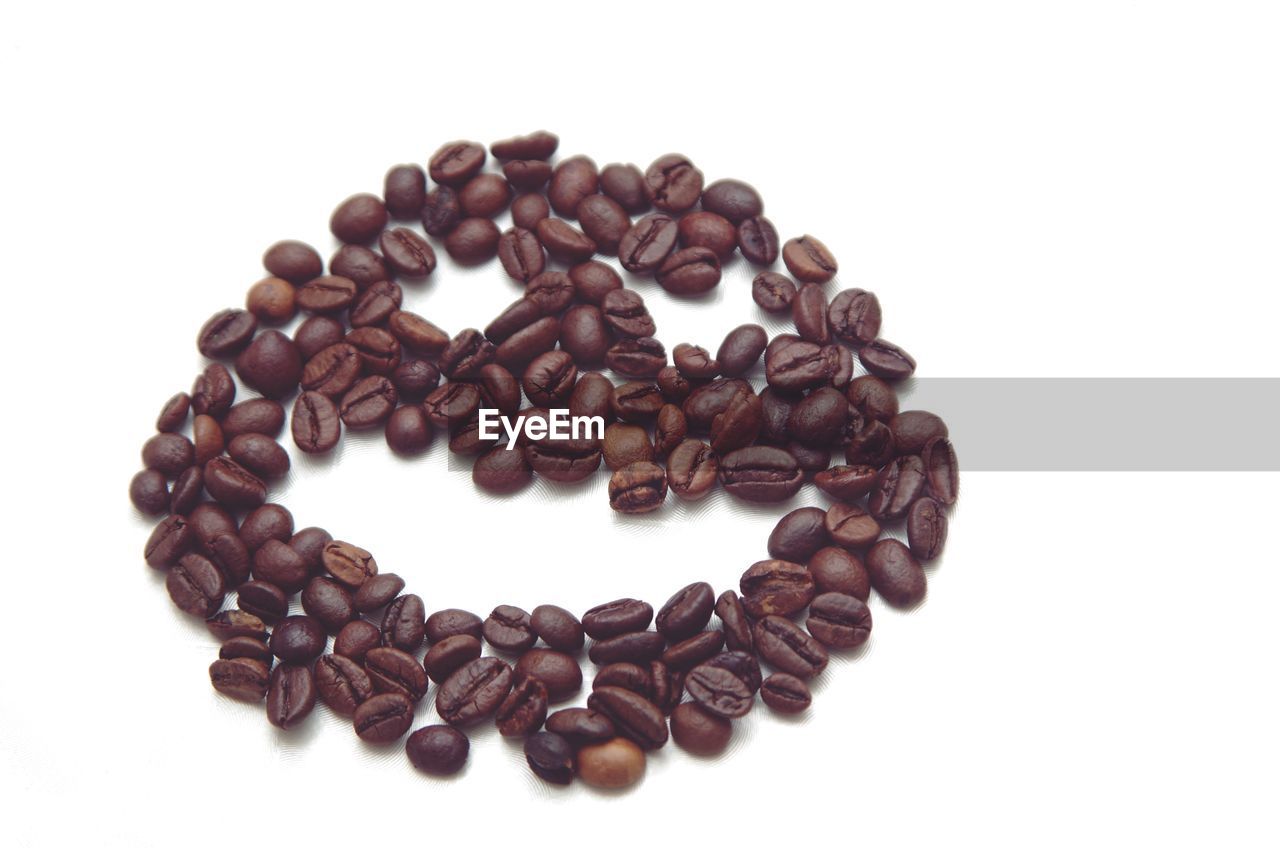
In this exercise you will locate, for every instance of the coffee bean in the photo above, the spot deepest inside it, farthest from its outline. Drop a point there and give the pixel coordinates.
(408, 430)
(528, 209)
(558, 671)
(474, 692)
(269, 521)
(297, 639)
(692, 470)
(485, 195)
(615, 764)
(539, 337)
(926, 529)
(404, 623)
(798, 535)
(558, 628)
(741, 349)
(572, 180)
(173, 415)
(378, 350)
(636, 401)
(761, 474)
(242, 678)
(170, 539)
(356, 640)
(695, 362)
(291, 695)
(873, 398)
(734, 622)
(758, 240)
(272, 300)
(709, 400)
(635, 717)
(358, 219)
(438, 749)
(638, 647)
(535, 145)
(846, 482)
(472, 241)
(850, 526)
(333, 371)
(195, 585)
(625, 312)
(245, 647)
(451, 622)
(259, 454)
(349, 564)
(689, 652)
(527, 174)
(368, 403)
(700, 731)
(624, 444)
(708, 230)
(358, 264)
(229, 624)
(394, 670)
(788, 648)
(456, 162)
(895, 573)
(690, 271)
(798, 366)
(725, 685)
(581, 726)
(550, 757)
(646, 245)
(776, 587)
(839, 621)
(603, 221)
(626, 615)
(942, 472)
(886, 360)
(213, 391)
(309, 543)
(669, 430)
(563, 241)
(404, 191)
(293, 261)
(593, 280)
(549, 379)
(837, 570)
(521, 254)
(408, 254)
(914, 428)
(270, 364)
(168, 453)
(276, 562)
(672, 183)
(809, 260)
(625, 675)
(230, 484)
(584, 335)
(265, 600)
(686, 612)
(188, 488)
(316, 425)
(383, 718)
(450, 654)
(508, 628)
(898, 486)
(637, 488)
(502, 471)
(871, 445)
(149, 492)
(256, 415)
(739, 425)
(375, 305)
(809, 311)
(227, 333)
(625, 184)
(785, 693)
(564, 460)
(524, 709)
(441, 211)
(342, 684)
(854, 316)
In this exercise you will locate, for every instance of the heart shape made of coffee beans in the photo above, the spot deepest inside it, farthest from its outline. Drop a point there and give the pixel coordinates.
(362, 362)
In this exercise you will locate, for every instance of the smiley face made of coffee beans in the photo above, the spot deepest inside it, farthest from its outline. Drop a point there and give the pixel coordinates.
(359, 361)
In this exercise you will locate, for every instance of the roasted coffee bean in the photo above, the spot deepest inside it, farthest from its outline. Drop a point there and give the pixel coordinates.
(626, 615)
(265, 600)
(850, 526)
(942, 471)
(926, 529)
(788, 648)
(309, 542)
(914, 428)
(450, 654)
(501, 471)
(564, 460)
(291, 695)
(259, 454)
(761, 474)
(709, 400)
(635, 717)
(854, 316)
(558, 628)
(776, 587)
(636, 401)
(846, 482)
(549, 379)
(615, 764)
(798, 535)
(733, 199)
(871, 445)
(581, 726)
(168, 453)
(528, 209)
(404, 191)
(839, 621)
(741, 349)
(524, 709)
(624, 444)
(149, 492)
(625, 675)
(667, 684)
(647, 244)
(695, 362)
(356, 640)
(441, 211)
(316, 424)
(256, 415)
(450, 622)
(408, 254)
(810, 459)
(625, 184)
(809, 312)
(603, 221)
(297, 639)
(472, 241)
(686, 612)
(359, 264)
(692, 470)
(551, 291)
(572, 180)
(439, 749)
(675, 387)
(734, 622)
(333, 371)
(456, 162)
(837, 570)
(593, 280)
(208, 521)
(269, 521)
(639, 647)
(637, 357)
(227, 333)
(625, 312)
(785, 693)
(229, 624)
(342, 684)
(326, 295)
(246, 647)
(535, 145)
(376, 304)
(709, 230)
(474, 692)
(758, 240)
(739, 425)
(700, 731)
(898, 486)
(689, 652)
(725, 685)
(672, 183)
(527, 174)
(690, 271)
(809, 260)
(558, 671)
(276, 562)
(209, 438)
(521, 348)
(376, 591)
(485, 195)
(895, 574)
(873, 398)
(798, 366)
(272, 300)
(550, 757)
(394, 670)
(521, 254)
(369, 403)
(173, 415)
(270, 364)
(841, 365)
(669, 430)
(242, 678)
(404, 623)
(886, 360)
(520, 314)
(230, 484)
(584, 334)
(348, 564)
(195, 585)
(358, 219)
(508, 628)
(637, 488)
(213, 391)
(188, 488)
(383, 718)
(408, 430)
(452, 404)
(294, 261)
(466, 354)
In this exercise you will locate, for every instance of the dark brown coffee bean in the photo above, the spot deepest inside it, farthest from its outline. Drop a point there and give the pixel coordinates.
(358, 219)
(149, 492)
(776, 587)
(378, 350)
(761, 474)
(624, 675)
(501, 471)
(450, 654)
(438, 749)
(326, 295)
(523, 345)
(839, 621)
(227, 333)
(485, 195)
(741, 349)
(404, 623)
(788, 648)
(291, 695)
(733, 199)
(895, 574)
(528, 209)
(269, 521)
(638, 488)
(695, 362)
(603, 221)
(168, 453)
(246, 647)
(242, 678)
(854, 316)
(383, 718)
(850, 526)
(785, 693)
(624, 444)
(173, 415)
(809, 260)
(734, 622)
(213, 391)
(265, 600)
(846, 482)
(524, 709)
(625, 184)
(509, 629)
(559, 671)
(293, 261)
(441, 211)
(739, 425)
(798, 535)
(686, 612)
(393, 670)
(873, 398)
(837, 570)
(758, 241)
(914, 428)
(551, 291)
(404, 191)
(593, 280)
(408, 254)
(626, 615)
(209, 521)
(689, 652)
(708, 230)
(188, 488)
(195, 585)
(645, 246)
(809, 312)
(276, 562)
(635, 401)
(270, 364)
(259, 454)
(690, 271)
(342, 684)
(563, 241)
(466, 354)
(871, 445)
(368, 404)
(472, 241)
(549, 379)
(551, 757)
(626, 313)
(558, 628)
(886, 360)
(535, 145)
(635, 717)
(356, 640)
(256, 415)
(333, 371)
(309, 543)
(520, 314)
(639, 647)
(450, 622)
(581, 726)
(942, 471)
(584, 334)
(669, 430)
(209, 438)
(229, 624)
(527, 174)
(408, 430)
(474, 692)
(572, 180)
(348, 564)
(375, 305)
(692, 470)
(359, 264)
(272, 300)
(722, 688)
(316, 425)
(672, 183)
(898, 486)
(521, 254)
(230, 484)
(456, 162)
(700, 731)
(926, 529)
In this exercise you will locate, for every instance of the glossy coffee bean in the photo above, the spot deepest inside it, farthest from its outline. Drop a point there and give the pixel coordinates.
(374, 306)
(798, 535)
(776, 587)
(886, 360)
(270, 364)
(472, 241)
(359, 264)
(725, 685)
(408, 431)
(528, 209)
(638, 488)
(450, 654)
(297, 639)
(809, 312)
(485, 195)
(527, 174)
(809, 260)
(408, 254)
(474, 692)
(272, 300)
(383, 718)
(358, 219)
(168, 453)
(942, 470)
(603, 221)
(232, 485)
(277, 563)
(404, 191)
(558, 671)
(509, 628)
(644, 646)
(259, 454)
(269, 521)
(316, 424)
(328, 602)
(213, 391)
(625, 184)
(439, 749)
(898, 486)
(895, 574)
(265, 600)
(188, 488)
(646, 245)
(521, 254)
(368, 403)
(149, 492)
(501, 471)
(926, 529)
(291, 695)
(761, 474)
(536, 145)
(404, 623)
(356, 639)
(626, 615)
(689, 652)
(669, 429)
(524, 709)
(871, 445)
(788, 648)
(584, 334)
(294, 261)
(456, 162)
(624, 444)
(572, 180)
(226, 333)
(672, 183)
(734, 622)
(839, 621)
(738, 426)
(393, 670)
(689, 272)
(348, 564)
(451, 622)
(837, 570)
(686, 612)
(173, 415)
(170, 539)
(241, 678)
(229, 624)
(563, 241)
(741, 349)
(521, 348)
(758, 240)
(695, 362)
(850, 526)
(785, 693)
(195, 585)
(846, 482)
(245, 647)
(854, 316)
(557, 627)
(692, 470)
(342, 684)
(700, 731)
(581, 726)
(551, 757)
(634, 716)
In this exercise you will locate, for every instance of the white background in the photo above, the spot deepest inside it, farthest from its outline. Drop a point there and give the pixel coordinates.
(1074, 189)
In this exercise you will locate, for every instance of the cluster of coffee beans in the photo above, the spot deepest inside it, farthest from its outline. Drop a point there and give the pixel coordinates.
(360, 361)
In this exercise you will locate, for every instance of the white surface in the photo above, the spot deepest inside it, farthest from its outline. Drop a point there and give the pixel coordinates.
(1077, 191)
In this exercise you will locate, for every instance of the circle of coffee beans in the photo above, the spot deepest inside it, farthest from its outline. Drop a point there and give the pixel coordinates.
(679, 426)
